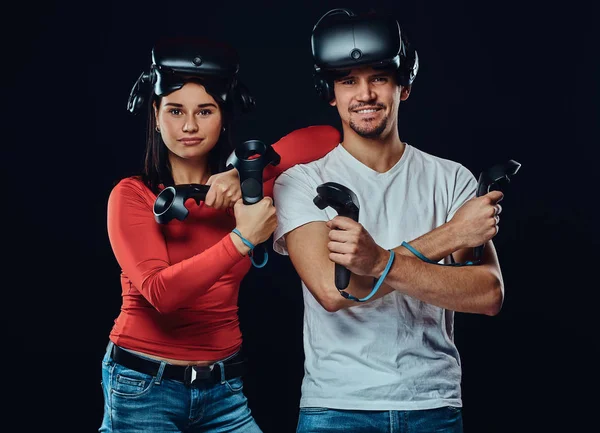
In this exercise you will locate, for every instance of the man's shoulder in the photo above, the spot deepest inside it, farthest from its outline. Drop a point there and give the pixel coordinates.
(445, 164)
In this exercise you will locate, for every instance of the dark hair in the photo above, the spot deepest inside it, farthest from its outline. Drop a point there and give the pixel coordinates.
(157, 168)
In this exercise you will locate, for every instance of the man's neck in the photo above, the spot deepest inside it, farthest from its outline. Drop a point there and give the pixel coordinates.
(379, 154)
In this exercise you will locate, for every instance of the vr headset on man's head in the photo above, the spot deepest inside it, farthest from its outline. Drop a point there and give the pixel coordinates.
(175, 61)
(342, 40)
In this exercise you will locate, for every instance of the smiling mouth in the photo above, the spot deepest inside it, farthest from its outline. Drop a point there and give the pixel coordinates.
(367, 110)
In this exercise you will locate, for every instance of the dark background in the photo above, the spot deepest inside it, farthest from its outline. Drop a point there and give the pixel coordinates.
(498, 81)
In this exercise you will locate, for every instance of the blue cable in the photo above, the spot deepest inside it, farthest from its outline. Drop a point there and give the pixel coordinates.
(377, 284)
(425, 259)
(251, 252)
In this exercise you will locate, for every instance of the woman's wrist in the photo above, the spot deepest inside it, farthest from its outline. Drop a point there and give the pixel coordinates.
(239, 244)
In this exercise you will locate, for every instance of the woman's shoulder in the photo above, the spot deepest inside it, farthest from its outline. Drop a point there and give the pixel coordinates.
(129, 183)
(132, 186)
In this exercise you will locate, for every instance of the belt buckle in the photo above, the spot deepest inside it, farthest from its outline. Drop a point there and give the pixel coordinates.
(193, 373)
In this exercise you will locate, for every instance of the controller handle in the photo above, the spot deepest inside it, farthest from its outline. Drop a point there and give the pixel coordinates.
(170, 203)
(345, 203)
(250, 158)
(490, 177)
(250, 168)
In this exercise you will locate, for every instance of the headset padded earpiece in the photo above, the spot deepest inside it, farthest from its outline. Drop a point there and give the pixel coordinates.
(323, 86)
(244, 97)
(139, 92)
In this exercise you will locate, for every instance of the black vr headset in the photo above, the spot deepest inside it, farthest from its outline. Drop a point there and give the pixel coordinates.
(178, 60)
(347, 41)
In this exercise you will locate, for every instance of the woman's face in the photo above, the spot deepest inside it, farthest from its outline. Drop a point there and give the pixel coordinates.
(190, 121)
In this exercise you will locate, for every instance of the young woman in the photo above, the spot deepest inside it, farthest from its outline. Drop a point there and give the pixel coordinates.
(174, 361)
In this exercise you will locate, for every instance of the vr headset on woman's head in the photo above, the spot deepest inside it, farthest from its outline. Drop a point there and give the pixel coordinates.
(175, 61)
(342, 40)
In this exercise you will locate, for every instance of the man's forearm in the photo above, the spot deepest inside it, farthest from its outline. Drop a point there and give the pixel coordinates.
(436, 244)
(475, 289)
(470, 289)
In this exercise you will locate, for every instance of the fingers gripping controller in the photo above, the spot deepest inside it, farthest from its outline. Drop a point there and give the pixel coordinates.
(345, 203)
(487, 179)
(491, 177)
(170, 203)
(250, 159)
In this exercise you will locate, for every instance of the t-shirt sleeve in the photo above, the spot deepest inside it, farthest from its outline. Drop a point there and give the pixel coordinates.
(465, 188)
(301, 146)
(293, 195)
(139, 247)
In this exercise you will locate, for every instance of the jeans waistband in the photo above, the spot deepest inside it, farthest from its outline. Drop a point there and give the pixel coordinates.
(218, 372)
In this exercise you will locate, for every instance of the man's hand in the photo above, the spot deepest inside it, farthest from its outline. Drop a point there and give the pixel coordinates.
(351, 246)
(224, 190)
(476, 222)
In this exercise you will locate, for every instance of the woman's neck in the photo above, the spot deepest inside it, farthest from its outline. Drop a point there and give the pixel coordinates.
(189, 171)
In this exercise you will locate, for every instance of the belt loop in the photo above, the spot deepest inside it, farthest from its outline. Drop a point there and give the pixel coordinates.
(159, 374)
(222, 370)
(108, 354)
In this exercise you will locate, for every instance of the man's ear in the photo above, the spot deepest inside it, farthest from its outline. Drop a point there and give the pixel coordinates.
(333, 102)
(404, 92)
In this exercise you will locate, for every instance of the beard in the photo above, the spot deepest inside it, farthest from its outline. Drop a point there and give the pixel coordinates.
(369, 130)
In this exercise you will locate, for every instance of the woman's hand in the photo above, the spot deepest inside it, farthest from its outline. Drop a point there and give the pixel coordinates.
(224, 190)
(256, 222)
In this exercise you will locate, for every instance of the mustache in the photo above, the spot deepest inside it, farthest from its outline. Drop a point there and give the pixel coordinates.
(364, 104)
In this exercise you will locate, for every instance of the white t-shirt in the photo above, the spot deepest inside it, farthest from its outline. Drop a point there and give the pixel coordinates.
(394, 353)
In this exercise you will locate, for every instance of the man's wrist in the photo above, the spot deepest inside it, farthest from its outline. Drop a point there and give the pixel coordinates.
(453, 237)
(381, 263)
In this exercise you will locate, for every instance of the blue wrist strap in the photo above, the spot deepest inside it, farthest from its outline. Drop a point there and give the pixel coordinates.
(377, 284)
(425, 259)
(417, 253)
(251, 252)
(244, 240)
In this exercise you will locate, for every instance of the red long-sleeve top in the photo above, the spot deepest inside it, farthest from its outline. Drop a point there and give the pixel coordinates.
(180, 280)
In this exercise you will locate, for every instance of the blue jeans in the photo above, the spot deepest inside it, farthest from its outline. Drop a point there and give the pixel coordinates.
(138, 402)
(441, 420)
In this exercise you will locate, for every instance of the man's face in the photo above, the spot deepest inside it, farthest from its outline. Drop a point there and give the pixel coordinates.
(367, 100)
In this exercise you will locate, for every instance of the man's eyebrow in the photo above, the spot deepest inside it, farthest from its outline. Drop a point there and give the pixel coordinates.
(375, 75)
(381, 74)
(346, 77)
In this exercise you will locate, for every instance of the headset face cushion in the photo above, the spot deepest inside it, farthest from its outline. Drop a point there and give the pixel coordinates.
(167, 83)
